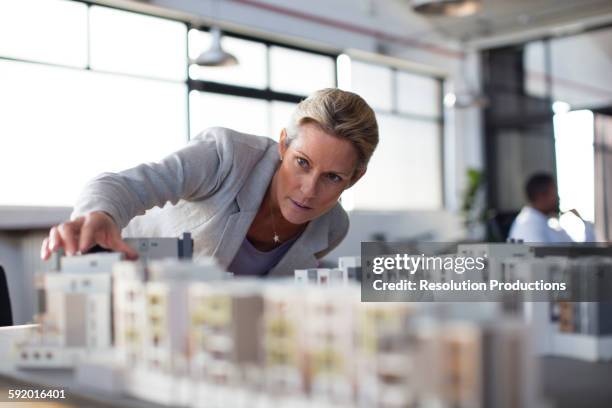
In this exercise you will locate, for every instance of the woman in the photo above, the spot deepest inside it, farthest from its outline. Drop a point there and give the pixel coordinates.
(259, 207)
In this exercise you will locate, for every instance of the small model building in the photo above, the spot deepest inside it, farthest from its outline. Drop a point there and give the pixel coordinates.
(159, 292)
(382, 379)
(75, 313)
(224, 331)
(349, 269)
(283, 340)
(494, 255)
(162, 248)
(574, 323)
(329, 344)
(352, 266)
(321, 276)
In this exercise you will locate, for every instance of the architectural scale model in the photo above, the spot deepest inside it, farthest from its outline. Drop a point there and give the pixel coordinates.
(349, 269)
(183, 333)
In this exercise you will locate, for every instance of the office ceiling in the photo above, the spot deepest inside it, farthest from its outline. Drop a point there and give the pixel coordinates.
(498, 18)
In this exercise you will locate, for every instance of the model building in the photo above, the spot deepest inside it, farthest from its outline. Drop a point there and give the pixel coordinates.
(75, 313)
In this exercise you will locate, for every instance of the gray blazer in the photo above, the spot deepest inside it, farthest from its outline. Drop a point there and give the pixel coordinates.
(211, 188)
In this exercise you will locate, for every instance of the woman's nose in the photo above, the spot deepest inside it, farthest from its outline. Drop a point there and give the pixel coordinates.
(309, 186)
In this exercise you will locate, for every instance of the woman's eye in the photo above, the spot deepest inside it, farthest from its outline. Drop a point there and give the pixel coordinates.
(335, 178)
(303, 163)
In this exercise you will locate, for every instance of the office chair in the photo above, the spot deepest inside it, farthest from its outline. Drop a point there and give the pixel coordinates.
(6, 315)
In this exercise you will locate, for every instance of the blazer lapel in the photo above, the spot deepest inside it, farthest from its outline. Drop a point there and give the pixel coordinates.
(249, 199)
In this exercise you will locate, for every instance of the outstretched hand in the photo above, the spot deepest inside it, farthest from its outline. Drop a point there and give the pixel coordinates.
(82, 233)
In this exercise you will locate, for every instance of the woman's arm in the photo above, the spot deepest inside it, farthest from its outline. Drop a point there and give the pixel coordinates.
(111, 200)
(192, 173)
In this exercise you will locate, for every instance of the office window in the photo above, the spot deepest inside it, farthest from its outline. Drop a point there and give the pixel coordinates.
(136, 44)
(54, 33)
(534, 64)
(405, 172)
(251, 70)
(246, 115)
(75, 124)
(581, 69)
(112, 85)
(64, 125)
(300, 72)
(259, 95)
(575, 160)
(373, 83)
(280, 115)
(418, 95)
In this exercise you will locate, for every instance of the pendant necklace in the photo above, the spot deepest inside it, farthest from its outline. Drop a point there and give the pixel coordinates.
(276, 238)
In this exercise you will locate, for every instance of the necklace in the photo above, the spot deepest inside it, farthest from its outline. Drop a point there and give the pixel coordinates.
(276, 238)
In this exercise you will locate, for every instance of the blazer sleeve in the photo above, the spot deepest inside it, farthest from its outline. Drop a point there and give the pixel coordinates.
(193, 173)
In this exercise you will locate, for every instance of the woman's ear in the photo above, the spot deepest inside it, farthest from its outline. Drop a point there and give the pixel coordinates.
(282, 143)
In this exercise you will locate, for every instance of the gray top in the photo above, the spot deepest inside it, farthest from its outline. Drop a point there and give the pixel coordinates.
(253, 262)
(211, 188)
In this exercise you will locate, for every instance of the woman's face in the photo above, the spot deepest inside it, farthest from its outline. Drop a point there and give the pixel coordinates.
(315, 169)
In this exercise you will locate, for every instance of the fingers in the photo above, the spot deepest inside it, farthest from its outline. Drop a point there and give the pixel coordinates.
(70, 236)
(64, 235)
(121, 246)
(83, 233)
(112, 237)
(55, 239)
(45, 253)
(86, 238)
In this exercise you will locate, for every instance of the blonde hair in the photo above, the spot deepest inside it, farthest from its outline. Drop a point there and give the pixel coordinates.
(342, 114)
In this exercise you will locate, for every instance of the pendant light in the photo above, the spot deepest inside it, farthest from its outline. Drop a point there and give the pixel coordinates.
(456, 8)
(215, 56)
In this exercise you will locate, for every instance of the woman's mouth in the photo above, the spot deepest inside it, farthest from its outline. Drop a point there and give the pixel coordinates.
(300, 206)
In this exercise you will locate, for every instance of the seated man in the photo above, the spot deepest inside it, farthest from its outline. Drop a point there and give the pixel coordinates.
(537, 221)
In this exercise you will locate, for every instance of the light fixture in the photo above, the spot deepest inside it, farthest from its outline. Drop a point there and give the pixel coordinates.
(215, 56)
(456, 8)
(466, 94)
(560, 107)
(465, 99)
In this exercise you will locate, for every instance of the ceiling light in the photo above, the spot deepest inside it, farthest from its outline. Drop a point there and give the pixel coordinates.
(560, 107)
(457, 8)
(465, 100)
(215, 56)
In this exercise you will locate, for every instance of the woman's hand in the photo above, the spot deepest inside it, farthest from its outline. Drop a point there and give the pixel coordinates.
(83, 233)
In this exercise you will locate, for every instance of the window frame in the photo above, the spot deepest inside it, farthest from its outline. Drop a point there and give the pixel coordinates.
(267, 93)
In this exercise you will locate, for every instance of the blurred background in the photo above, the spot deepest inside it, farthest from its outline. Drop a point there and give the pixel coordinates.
(472, 97)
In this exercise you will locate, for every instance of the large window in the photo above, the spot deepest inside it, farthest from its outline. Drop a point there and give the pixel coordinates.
(56, 33)
(87, 89)
(258, 95)
(571, 76)
(406, 170)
